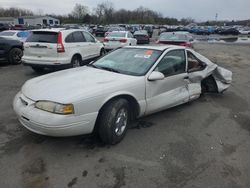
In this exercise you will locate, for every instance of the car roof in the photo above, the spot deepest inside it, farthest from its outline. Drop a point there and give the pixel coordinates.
(157, 47)
(50, 30)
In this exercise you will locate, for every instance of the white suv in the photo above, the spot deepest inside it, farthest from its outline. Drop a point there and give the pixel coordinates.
(49, 48)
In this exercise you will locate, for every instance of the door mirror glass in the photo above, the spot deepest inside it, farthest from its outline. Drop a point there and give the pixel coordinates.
(155, 75)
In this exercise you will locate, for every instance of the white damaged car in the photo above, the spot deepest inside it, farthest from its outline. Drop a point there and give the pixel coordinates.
(107, 94)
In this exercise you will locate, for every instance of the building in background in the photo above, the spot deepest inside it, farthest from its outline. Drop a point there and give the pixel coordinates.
(30, 20)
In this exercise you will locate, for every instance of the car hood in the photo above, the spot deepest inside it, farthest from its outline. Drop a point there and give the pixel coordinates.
(75, 84)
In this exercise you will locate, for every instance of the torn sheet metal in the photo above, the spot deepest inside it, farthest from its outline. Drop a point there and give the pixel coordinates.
(222, 76)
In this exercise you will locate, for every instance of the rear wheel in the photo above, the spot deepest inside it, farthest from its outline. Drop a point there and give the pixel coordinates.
(113, 121)
(76, 61)
(103, 52)
(15, 56)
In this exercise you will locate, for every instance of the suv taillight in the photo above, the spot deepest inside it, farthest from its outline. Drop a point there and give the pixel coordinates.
(60, 46)
(123, 40)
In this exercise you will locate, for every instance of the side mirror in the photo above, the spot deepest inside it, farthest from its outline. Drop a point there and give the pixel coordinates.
(155, 75)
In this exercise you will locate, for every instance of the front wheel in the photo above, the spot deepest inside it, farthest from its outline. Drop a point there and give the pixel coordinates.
(113, 121)
(15, 56)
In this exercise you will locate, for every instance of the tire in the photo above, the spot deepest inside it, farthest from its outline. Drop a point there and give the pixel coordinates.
(114, 121)
(38, 69)
(76, 61)
(15, 56)
(102, 53)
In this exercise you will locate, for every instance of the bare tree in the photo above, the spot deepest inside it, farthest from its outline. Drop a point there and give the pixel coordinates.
(79, 11)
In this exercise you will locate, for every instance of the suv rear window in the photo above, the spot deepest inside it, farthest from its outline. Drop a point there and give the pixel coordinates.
(42, 37)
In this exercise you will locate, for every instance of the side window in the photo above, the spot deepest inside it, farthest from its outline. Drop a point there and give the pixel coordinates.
(69, 38)
(78, 37)
(88, 37)
(194, 64)
(174, 62)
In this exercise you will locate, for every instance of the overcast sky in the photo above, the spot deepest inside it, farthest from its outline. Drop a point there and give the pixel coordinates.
(198, 9)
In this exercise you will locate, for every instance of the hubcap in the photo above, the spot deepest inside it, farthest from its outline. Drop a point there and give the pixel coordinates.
(121, 121)
(17, 56)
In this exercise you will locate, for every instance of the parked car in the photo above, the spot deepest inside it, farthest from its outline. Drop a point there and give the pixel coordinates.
(125, 84)
(112, 29)
(245, 31)
(142, 37)
(100, 31)
(199, 31)
(133, 28)
(13, 34)
(176, 38)
(229, 31)
(119, 39)
(149, 29)
(20, 27)
(53, 48)
(11, 50)
(4, 26)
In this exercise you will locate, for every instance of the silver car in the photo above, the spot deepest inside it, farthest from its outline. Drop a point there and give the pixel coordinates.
(107, 94)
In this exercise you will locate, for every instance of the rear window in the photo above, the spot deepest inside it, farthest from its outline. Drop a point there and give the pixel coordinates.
(42, 37)
(7, 33)
(173, 37)
(117, 34)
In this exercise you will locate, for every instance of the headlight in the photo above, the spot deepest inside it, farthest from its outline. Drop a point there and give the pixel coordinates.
(54, 107)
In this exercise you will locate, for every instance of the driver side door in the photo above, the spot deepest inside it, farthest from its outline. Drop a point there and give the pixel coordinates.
(172, 90)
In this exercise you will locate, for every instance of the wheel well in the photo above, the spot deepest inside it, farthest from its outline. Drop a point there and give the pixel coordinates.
(15, 47)
(134, 106)
(209, 85)
(77, 55)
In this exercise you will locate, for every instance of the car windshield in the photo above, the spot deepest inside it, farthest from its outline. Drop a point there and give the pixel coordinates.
(7, 34)
(130, 61)
(173, 37)
(117, 34)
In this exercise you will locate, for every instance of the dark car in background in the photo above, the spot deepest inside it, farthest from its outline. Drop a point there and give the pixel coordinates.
(142, 37)
(149, 29)
(4, 26)
(100, 31)
(133, 28)
(11, 50)
(176, 38)
(228, 31)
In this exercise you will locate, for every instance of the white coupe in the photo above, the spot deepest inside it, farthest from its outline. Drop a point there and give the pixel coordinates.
(107, 94)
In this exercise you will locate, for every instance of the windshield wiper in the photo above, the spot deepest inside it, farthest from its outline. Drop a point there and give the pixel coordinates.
(94, 66)
(110, 69)
(104, 68)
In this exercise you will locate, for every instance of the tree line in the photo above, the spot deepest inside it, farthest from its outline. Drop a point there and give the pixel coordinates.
(103, 14)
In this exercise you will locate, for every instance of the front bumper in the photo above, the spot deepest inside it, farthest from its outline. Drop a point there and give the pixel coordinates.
(46, 123)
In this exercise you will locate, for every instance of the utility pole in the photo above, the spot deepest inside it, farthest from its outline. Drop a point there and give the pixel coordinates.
(216, 17)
